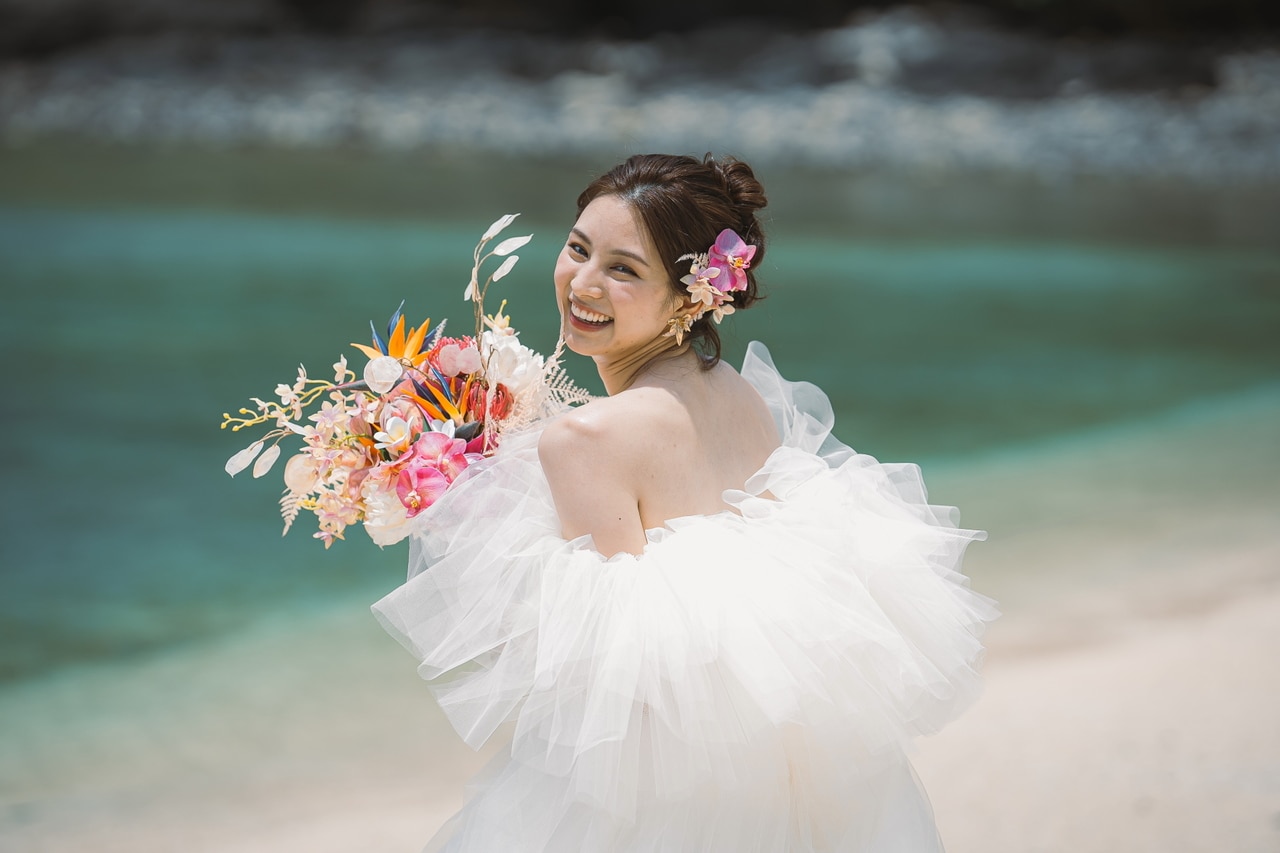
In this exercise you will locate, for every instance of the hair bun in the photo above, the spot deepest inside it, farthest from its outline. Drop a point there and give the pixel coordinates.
(740, 181)
(745, 192)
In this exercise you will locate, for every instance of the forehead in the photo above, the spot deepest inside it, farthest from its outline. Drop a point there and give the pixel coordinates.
(610, 223)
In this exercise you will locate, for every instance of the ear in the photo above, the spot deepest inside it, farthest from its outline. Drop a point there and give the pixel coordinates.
(687, 308)
(680, 303)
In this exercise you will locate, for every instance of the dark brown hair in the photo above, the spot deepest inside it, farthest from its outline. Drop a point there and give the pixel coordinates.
(684, 203)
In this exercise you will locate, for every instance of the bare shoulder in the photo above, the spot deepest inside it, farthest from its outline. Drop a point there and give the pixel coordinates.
(612, 428)
(591, 457)
(743, 413)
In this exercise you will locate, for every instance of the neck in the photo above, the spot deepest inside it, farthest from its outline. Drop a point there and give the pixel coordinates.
(621, 372)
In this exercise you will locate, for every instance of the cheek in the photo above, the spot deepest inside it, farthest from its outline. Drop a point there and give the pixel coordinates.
(561, 276)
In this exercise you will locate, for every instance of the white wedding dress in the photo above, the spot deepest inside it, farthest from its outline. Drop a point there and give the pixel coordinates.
(749, 683)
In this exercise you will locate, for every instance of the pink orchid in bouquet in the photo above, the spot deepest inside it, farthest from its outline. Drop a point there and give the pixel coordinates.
(381, 449)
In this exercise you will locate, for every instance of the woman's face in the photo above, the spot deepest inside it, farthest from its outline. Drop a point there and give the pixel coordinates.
(612, 288)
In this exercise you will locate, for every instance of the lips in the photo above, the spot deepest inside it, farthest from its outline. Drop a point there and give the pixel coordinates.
(590, 318)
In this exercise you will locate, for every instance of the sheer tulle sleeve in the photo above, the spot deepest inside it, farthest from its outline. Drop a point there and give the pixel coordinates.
(827, 623)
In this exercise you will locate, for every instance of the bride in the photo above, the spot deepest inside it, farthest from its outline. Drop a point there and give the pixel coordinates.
(702, 622)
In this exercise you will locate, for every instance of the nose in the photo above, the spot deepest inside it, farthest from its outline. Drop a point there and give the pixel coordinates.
(586, 282)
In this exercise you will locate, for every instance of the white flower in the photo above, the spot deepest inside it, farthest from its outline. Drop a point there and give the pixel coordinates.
(381, 374)
(447, 427)
(385, 518)
(286, 394)
(394, 435)
(513, 364)
(500, 323)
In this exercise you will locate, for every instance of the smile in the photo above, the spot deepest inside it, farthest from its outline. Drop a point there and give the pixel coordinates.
(585, 316)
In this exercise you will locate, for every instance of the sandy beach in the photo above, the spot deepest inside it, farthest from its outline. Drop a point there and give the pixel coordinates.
(1132, 694)
(1163, 740)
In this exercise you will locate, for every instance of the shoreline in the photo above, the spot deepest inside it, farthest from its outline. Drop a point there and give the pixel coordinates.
(1130, 702)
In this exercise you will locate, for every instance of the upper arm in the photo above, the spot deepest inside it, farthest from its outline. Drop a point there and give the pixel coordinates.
(589, 478)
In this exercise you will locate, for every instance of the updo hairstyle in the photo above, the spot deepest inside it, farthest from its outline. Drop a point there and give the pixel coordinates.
(684, 203)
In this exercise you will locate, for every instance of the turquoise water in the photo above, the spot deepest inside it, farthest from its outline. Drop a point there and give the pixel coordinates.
(130, 324)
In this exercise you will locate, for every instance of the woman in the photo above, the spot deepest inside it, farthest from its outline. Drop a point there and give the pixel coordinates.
(714, 627)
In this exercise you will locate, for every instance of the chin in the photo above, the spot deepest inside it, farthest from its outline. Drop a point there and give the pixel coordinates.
(577, 345)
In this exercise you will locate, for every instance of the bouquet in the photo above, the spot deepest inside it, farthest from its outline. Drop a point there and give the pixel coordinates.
(381, 448)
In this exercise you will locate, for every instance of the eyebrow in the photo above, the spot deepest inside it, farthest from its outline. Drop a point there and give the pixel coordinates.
(623, 252)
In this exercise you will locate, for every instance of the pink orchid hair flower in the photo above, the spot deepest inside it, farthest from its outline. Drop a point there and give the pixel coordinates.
(733, 256)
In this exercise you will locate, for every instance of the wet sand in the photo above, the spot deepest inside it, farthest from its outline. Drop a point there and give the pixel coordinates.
(1131, 704)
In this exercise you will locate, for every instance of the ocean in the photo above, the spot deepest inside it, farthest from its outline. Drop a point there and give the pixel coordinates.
(146, 292)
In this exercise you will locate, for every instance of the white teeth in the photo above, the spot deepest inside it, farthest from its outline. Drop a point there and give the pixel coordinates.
(587, 316)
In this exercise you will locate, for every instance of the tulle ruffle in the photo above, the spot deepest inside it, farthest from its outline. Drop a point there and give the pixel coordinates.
(752, 675)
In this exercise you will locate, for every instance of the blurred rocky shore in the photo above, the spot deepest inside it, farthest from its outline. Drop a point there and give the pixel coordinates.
(901, 89)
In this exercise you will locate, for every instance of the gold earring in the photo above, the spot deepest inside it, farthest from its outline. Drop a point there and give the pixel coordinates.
(677, 326)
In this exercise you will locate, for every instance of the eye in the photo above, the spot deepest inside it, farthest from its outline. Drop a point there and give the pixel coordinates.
(576, 249)
(624, 269)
